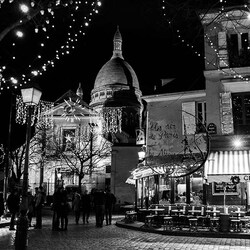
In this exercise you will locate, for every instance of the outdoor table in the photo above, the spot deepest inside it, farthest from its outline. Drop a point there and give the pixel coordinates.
(213, 212)
(176, 212)
(156, 210)
(194, 212)
(238, 213)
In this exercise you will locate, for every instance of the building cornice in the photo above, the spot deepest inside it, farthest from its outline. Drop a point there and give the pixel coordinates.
(174, 96)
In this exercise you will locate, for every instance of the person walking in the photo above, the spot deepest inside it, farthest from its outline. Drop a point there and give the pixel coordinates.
(64, 211)
(57, 208)
(86, 206)
(13, 203)
(110, 201)
(30, 211)
(39, 202)
(77, 207)
(99, 204)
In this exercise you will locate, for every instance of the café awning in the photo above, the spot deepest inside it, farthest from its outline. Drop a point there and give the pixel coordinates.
(222, 165)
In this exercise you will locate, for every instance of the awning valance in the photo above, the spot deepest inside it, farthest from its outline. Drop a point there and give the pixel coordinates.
(222, 165)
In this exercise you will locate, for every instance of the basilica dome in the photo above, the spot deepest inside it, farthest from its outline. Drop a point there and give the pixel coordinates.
(116, 71)
(116, 75)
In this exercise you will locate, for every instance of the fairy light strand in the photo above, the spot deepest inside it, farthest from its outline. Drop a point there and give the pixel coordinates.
(65, 49)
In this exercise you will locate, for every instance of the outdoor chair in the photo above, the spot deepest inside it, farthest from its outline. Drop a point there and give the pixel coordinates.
(193, 224)
(168, 223)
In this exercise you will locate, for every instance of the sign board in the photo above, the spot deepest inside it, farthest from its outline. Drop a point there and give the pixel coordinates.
(164, 187)
(211, 128)
(219, 188)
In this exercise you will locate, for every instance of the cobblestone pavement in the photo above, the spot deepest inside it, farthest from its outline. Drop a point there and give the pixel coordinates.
(113, 238)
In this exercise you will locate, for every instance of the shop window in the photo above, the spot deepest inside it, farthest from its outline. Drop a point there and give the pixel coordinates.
(218, 188)
(68, 139)
(241, 113)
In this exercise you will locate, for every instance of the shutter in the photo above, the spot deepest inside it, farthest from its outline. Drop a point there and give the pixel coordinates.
(226, 113)
(188, 117)
(222, 46)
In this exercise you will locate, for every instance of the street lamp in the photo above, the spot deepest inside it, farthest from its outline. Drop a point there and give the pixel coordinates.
(31, 97)
(142, 154)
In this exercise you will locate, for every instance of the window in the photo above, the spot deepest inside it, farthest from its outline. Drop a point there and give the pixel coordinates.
(68, 139)
(201, 117)
(238, 50)
(108, 169)
(241, 113)
(194, 117)
(107, 183)
(102, 94)
(109, 93)
(244, 41)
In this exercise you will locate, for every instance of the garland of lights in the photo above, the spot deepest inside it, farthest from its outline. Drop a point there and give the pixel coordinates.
(235, 74)
(112, 119)
(2, 154)
(65, 49)
(41, 113)
(71, 108)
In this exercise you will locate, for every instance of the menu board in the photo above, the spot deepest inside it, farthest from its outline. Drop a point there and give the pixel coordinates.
(219, 188)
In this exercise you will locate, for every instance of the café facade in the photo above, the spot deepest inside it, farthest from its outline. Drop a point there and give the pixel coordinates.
(210, 128)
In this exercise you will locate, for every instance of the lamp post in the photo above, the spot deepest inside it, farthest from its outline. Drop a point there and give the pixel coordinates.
(31, 97)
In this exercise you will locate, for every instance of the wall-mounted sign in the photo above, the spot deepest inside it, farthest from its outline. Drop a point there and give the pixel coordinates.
(211, 128)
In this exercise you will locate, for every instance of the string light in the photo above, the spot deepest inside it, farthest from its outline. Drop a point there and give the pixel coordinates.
(232, 72)
(65, 49)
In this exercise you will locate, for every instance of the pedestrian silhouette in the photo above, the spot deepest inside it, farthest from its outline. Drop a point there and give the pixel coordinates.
(13, 203)
(99, 205)
(110, 201)
(77, 207)
(86, 206)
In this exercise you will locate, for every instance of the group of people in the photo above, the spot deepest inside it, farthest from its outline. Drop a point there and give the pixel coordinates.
(103, 205)
(101, 202)
(35, 204)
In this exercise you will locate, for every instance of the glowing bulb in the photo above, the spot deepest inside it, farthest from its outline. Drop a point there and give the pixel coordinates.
(237, 142)
(24, 8)
(19, 33)
(13, 80)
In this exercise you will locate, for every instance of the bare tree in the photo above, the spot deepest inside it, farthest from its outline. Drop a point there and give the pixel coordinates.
(84, 154)
(37, 154)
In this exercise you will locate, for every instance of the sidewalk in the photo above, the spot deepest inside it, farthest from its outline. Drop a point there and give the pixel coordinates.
(139, 226)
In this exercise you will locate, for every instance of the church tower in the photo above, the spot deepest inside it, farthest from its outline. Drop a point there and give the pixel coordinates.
(117, 97)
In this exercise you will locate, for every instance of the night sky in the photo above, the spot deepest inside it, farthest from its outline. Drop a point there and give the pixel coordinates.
(150, 45)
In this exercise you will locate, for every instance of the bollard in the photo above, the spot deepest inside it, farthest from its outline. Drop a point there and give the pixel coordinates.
(21, 238)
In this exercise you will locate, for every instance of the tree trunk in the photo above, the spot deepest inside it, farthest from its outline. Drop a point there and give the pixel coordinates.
(80, 183)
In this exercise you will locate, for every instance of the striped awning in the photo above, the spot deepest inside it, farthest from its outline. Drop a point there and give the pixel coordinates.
(222, 165)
